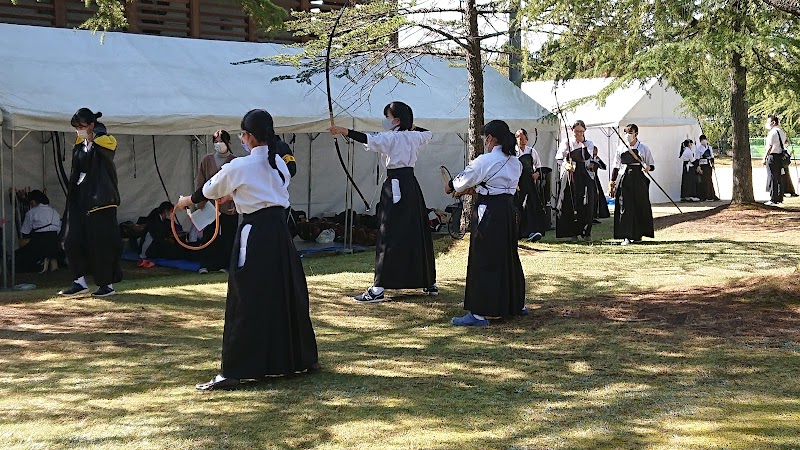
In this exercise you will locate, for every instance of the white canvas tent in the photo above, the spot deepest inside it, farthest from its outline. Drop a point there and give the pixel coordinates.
(175, 92)
(654, 107)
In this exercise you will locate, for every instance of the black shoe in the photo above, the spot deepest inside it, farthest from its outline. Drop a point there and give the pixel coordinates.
(369, 297)
(596, 221)
(534, 237)
(433, 290)
(75, 289)
(219, 383)
(103, 291)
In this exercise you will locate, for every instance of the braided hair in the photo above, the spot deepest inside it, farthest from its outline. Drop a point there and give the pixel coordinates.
(259, 123)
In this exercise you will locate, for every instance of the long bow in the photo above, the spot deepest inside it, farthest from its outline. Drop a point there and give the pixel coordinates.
(330, 104)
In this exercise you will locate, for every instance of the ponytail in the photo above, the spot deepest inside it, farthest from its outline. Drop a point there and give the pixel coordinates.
(504, 136)
(259, 123)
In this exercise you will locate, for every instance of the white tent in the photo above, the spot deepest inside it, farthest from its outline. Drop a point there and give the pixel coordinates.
(654, 107)
(171, 93)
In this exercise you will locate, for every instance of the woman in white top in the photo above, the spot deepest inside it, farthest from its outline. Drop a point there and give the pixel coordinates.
(495, 282)
(531, 198)
(41, 226)
(577, 191)
(404, 252)
(267, 329)
(633, 214)
(689, 171)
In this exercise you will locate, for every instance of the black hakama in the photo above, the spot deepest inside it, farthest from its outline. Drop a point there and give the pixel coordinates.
(601, 211)
(267, 330)
(689, 180)
(577, 199)
(633, 215)
(705, 186)
(404, 252)
(530, 201)
(788, 185)
(495, 284)
(774, 179)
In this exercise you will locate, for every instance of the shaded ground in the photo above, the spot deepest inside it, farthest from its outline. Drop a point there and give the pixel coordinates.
(734, 218)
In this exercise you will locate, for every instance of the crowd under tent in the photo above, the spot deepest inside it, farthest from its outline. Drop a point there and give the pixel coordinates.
(163, 97)
(655, 107)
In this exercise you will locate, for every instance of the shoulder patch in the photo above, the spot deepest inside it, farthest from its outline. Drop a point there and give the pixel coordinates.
(107, 141)
(288, 158)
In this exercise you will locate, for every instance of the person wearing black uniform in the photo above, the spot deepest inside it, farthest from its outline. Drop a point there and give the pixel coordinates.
(633, 214)
(530, 200)
(268, 329)
(689, 172)
(158, 239)
(287, 155)
(704, 155)
(577, 194)
(93, 243)
(594, 164)
(404, 252)
(495, 281)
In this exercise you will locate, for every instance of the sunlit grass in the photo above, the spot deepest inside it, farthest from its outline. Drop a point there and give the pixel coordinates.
(119, 372)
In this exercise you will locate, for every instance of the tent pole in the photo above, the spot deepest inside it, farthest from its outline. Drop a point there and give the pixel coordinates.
(13, 211)
(44, 162)
(311, 139)
(3, 211)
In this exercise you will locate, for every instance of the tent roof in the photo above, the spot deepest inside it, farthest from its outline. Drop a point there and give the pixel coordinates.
(156, 85)
(651, 104)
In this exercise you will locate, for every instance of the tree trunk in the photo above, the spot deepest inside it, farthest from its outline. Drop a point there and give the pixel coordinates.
(475, 80)
(742, 165)
(788, 6)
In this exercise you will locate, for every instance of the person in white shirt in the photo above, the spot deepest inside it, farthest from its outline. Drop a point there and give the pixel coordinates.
(531, 198)
(267, 329)
(495, 284)
(404, 257)
(577, 194)
(633, 214)
(704, 155)
(689, 172)
(40, 227)
(774, 146)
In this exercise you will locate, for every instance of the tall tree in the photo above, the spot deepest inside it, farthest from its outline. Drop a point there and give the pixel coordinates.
(366, 46)
(695, 46)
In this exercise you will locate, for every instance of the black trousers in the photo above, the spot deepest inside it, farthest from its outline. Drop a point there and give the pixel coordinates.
(218, 255)
(94, 246)
(42, 245)
(775, 164)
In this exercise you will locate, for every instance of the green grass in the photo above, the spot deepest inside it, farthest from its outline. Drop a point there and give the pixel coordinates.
(666, 345)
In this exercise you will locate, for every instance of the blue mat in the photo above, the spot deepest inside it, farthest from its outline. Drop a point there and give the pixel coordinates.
(182, 264)
(194, 266)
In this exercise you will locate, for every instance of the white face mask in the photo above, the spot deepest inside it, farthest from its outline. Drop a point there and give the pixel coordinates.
(83, 134)
(388, 124)
(704, 142)
(768, 125)
(631, 138)
(220, 147)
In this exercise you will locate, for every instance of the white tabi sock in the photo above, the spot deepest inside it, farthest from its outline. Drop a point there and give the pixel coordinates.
(82, 282)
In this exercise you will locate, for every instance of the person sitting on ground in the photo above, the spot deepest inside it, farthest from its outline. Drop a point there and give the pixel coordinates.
(158, 239)
(40, 227)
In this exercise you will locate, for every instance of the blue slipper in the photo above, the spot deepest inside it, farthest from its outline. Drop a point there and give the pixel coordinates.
(468, 320)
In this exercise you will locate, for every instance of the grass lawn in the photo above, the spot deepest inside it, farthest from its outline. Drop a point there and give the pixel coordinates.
(690, 341)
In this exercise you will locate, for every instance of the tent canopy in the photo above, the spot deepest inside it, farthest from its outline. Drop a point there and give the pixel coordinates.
(652, 104)
(168, 86)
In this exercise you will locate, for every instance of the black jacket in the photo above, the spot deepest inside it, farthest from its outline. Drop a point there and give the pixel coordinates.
(99, 189)
(285, 152)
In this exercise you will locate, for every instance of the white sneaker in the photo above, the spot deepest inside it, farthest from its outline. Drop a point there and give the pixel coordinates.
(202, 271)
(694, 199)
(769, 203)
(626, 241)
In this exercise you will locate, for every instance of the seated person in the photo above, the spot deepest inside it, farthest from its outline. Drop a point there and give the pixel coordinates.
(158, 239)
(40, 228)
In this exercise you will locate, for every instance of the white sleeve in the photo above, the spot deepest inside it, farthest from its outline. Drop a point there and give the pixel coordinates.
(471, 176)
(769, 141)
(647, 156)
(562, 152)
(223, 183)
(537, 161)
(618, 157)
(26, 223)
(384, 142)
